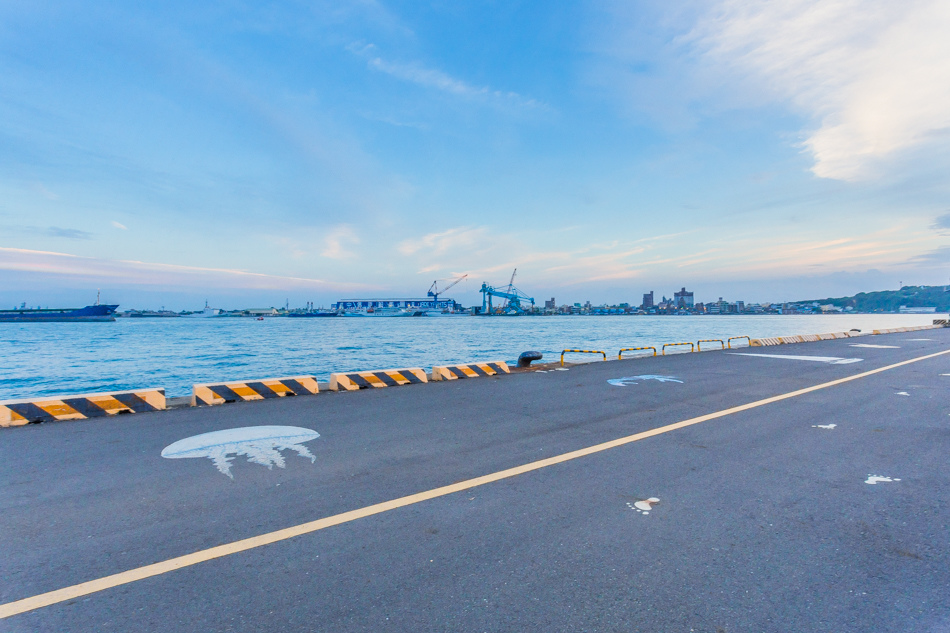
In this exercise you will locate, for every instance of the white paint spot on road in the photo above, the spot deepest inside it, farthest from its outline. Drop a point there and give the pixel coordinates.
(875, 479)
(632, 380)
(561, 369)
(644, 506)
(901, 393)
(876, 346)
(919, 339)
(260, 444)
(823, 426)
(832, 360)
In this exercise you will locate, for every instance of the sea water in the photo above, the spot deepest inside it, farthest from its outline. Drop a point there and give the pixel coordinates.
(175, 353)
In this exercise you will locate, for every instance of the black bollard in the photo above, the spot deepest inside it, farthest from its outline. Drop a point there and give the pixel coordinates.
(526, 357)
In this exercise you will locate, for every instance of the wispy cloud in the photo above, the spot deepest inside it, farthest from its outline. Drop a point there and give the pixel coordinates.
(873, 74)
(941, 223)
(337, 240)
(465, 238)
(119, 225)
(136, 273)
(420, 75)
(69, 234)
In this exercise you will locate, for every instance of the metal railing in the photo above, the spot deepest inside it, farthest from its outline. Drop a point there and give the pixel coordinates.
(699, 347)
(633, 349)
(692, 347)
(582, 351)
(735, 338)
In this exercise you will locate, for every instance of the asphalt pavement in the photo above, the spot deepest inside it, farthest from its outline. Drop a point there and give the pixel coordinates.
(821, 511)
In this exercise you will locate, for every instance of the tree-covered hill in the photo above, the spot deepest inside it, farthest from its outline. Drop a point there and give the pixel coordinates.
(892, 300)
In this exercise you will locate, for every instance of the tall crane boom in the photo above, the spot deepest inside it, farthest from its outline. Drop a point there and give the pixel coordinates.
(512, 296)
(434, 291)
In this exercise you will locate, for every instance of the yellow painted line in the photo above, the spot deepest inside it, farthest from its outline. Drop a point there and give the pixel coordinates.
(163, 567)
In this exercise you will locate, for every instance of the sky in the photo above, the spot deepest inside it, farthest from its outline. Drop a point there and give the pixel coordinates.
(252, 154)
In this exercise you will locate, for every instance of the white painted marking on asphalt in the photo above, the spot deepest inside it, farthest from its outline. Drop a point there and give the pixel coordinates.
(632, 380)
(918, 339)
(561, 369)
(260, 444)
(901, 393)
(831, 360)
(823, 426)
(876, 346)
(644, 506)
(874, 479)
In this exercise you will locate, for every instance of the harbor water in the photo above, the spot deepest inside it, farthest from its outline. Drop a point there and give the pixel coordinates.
(174, 353)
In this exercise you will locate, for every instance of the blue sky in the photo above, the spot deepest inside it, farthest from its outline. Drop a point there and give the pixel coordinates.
(251, 153)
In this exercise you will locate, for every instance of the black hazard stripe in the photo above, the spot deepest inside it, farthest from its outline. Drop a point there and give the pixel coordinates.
(86, 407)
(497, 368)
(457, 371)
(30, 411)
(388, 380)
(359, 381)
(296, 387)
(262, 390)
(134, 402)
(223, 391)
(478, 369)
(411, 377)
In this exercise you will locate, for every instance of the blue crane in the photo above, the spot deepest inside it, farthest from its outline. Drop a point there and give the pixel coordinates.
(512, 296)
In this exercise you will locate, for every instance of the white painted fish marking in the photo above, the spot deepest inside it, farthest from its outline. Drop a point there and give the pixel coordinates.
(823, 426)
(831, 360)
(875, 346)
(874, 479)
(632, 380)
(644, 506)
(260, 444)
(901, 393)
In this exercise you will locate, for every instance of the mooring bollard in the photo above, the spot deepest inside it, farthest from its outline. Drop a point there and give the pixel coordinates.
(525, 359)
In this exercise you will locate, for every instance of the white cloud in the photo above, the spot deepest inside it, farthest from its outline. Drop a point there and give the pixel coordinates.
(464, 238)
(136, 273)
(874, 74)
(336, 241)
(437, 79)
(119, 225)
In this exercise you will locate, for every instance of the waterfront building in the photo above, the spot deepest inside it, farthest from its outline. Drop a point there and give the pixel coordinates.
(683, 298)
(647, 300)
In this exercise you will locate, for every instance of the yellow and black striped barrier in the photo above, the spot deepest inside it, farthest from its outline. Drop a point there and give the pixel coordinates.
(92, 405)
(699, 346)
(220, 393)
(633, 349)
(382, 378)
(737, 338)
(582, 351)
(692, 347)
(469, 370)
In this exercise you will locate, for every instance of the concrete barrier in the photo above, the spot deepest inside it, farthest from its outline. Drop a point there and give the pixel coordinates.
(220, 393)
(897, 330)
(91, 405)
(382, 378)
(941, 323)
(469, 370)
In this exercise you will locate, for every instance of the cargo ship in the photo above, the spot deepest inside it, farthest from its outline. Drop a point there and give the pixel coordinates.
(34, 315)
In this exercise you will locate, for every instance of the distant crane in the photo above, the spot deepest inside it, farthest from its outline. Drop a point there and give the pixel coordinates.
(512, 296)
(434, 291)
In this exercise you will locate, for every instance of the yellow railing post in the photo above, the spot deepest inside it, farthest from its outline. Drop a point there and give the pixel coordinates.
(699, 347)
(582, 351)
(734, 338)
(692, 347)
(633, 349)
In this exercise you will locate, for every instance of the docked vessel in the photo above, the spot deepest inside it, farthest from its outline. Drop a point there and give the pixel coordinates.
(33, 315)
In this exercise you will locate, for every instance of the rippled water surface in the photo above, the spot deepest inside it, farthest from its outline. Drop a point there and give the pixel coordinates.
(64, 358)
